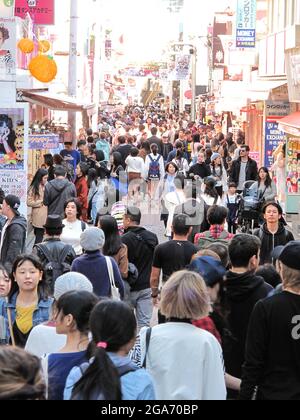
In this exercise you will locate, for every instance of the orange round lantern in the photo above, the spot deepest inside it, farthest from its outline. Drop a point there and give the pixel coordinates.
(43, 68)
(44, 46)
(26, 45)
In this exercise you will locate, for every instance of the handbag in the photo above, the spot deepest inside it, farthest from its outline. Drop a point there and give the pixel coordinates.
(115, 294)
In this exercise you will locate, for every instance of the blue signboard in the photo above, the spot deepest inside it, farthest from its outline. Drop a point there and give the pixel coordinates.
(43, 142)
(246, 24)
(273, 138)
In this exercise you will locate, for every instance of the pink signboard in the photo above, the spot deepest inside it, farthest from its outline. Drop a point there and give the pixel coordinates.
(41, 11)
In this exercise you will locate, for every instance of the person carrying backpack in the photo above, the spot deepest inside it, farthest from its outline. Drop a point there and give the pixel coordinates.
(217, 217)
(55, 255)
(154, 170)
(110, 375)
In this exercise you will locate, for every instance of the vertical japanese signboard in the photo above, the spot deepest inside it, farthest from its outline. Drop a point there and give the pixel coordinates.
(40, 11)
(274, 136)
(246, 24)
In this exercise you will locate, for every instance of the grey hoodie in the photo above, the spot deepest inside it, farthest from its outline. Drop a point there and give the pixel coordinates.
(57, 192)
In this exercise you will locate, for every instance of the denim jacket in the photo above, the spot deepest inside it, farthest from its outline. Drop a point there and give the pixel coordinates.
(40, 315)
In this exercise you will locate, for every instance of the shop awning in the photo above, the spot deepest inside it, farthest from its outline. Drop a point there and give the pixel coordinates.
(291, 124)
(55, 102)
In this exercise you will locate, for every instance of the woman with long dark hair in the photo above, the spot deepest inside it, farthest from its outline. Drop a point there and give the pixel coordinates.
(72, 314)
(265, 186)
(219, 173)
(35, 200)
(113, 246)
(49, 162)
(110, 375)
(28, 303)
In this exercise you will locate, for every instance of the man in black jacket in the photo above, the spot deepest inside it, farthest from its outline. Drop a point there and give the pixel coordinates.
(243, 289)
(273, 343)
(56, 256)
(13, 236)
(155, 140)
(141, 245)
(273, 233)
(244, 169)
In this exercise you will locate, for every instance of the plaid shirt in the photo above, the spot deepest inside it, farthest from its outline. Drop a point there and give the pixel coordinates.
(208, 325)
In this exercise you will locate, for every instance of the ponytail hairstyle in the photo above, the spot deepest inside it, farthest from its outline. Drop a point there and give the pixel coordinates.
(113, 325)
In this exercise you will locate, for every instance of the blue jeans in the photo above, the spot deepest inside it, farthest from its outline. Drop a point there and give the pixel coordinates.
(142, 303)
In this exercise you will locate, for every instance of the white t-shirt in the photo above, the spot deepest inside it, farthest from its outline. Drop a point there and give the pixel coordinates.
(135, 165)
(71, 235)
(44, 340)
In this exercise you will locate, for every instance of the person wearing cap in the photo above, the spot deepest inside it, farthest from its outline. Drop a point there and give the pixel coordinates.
(219, 172)
(55, 255)
(59, 191)
(273, 233)
(273, 345)
(13, 235)
(43, 339)
(94, 266)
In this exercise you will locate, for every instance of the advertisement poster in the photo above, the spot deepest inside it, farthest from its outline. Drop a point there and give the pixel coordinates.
(12, 139)
(293, 165)
(7, 48)
(41, 11)
(182, 67)
(273, 138)
(246, 24)
(7, 8)
(43, 142)
(15, 183)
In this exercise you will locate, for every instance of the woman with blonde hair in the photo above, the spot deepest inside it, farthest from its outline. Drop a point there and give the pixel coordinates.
(20, 376)
(185, 363)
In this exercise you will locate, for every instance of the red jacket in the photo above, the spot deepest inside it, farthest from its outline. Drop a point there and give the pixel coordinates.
(82, 191)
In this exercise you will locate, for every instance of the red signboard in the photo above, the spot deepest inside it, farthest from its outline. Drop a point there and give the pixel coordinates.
(41, 11)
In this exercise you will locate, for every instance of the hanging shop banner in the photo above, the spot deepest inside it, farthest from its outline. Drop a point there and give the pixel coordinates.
(43, 142)
(42, 12)
(273, 137)
(183, 67)
(7, 8)
(246, 24)
(7, 48)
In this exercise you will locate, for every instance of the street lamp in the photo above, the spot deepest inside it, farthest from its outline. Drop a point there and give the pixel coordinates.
(193, 53)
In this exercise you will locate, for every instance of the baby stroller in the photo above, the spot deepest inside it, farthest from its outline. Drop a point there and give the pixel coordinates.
(250, 208)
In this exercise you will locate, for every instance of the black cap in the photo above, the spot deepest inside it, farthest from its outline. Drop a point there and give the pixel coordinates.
(290, 255)
(277, 252)
(14, 203)
(54, 222)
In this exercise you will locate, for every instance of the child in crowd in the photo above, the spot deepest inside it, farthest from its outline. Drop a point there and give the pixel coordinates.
(232, 203)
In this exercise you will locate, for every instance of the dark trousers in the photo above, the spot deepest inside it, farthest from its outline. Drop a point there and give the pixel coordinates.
(39, 235)
(232, 227)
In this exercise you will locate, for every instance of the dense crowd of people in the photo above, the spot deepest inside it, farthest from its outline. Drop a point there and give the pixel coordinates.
(77, 311)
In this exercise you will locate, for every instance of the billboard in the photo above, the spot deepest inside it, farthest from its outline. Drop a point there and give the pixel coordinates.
(246, 24)
(273, 137)
(40, 11)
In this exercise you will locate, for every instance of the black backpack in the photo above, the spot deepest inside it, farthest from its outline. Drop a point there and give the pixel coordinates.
(54, 269)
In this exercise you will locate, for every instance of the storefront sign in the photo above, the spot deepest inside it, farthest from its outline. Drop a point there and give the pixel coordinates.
(273, 137)
(7, 48)
(44, 142)
(246, 24)
(277, 110)
(293, 74)
(41, 11)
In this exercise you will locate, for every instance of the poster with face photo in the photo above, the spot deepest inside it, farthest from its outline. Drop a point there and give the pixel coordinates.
(12, 139)
(7, 48)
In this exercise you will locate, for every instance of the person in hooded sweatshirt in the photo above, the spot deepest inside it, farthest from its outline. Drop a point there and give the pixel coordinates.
(58, 192)
(243, 289)
(273, 233)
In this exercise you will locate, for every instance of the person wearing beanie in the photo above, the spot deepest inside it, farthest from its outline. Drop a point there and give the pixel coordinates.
(94, 265)
(43, 338)
(13, 234)
(272, 365)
